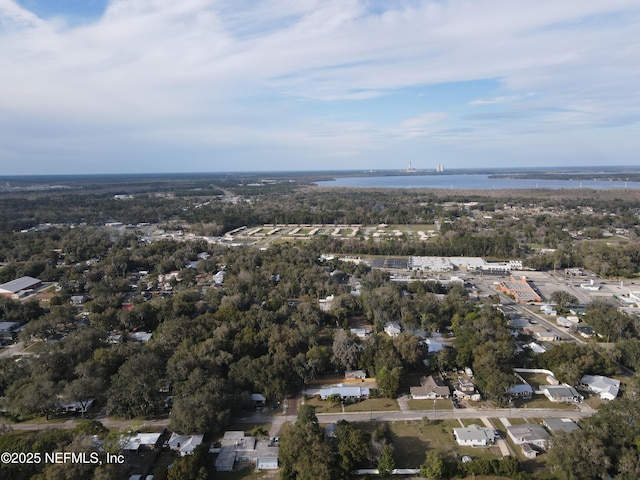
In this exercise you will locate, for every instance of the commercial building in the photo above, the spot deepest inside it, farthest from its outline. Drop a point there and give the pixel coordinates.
(22, 284)
(520, 290)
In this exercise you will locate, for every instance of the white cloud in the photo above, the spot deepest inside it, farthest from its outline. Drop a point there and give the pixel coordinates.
(153, 69)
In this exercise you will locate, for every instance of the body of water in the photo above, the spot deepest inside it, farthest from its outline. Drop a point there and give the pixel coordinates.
(471, 182)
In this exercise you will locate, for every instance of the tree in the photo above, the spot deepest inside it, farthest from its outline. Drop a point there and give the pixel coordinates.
(190, 467)
(433, 466)
(564, 299)
(387, 462)
(335, 399)
(351, 445)
(304, 453)
(346, 350)
(135, 389)
(388, 381)
(578, 456)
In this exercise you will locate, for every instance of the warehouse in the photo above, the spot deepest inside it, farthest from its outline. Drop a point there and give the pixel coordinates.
(14, 287)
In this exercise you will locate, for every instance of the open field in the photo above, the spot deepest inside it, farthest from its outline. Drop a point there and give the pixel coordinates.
(373, 404)
(430, 404)
(540, 401)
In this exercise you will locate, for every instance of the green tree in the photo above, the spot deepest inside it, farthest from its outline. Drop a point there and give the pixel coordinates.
(304, 453)
(388, 381)
(433, 467)
(387, 462)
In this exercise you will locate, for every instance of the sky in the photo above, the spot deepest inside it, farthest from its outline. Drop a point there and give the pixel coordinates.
(149, 86)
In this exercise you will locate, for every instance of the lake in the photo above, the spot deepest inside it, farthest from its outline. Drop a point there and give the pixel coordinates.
(471, 182)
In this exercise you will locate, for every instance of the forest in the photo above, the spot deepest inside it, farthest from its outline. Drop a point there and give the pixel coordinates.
(262, 330)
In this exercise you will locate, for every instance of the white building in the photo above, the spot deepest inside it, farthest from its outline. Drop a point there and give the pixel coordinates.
(392, 329)
(185, 444)
(474, 436)
(607, 388)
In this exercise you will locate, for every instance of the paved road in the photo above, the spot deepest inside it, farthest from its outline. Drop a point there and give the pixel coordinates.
(278, 420)
(449, 414)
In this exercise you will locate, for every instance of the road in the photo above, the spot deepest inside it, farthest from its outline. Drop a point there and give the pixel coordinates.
(379, 416)
(453, 414)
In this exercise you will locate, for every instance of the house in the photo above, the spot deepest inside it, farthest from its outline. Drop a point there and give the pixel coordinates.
(238, 447)
(585, 331)
(434, 346)
(76, 407)
(465, 385)
(7, 330)
(218, 278)
(561, 393)
(326, 304)
(142, 337)
(466, 390)
(474, 436)
(548, 310)
(392, 329)
(360, 332)
(355, 375)
(267, 455)
(15, 287)
(346, 393)
(258, 399)
(531, 433)
(607, 388)
(78, 299)
(535, 347)
(528, 451)
(235, 446)
(555, 425)
(430, 389)
(521, 390)
(146, 441)
(184, 444)
(542, 334)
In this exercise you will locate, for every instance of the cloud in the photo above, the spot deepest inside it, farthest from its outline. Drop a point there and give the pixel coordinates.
(219, 73)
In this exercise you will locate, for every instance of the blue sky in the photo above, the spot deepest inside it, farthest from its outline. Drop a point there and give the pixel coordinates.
(95, 86)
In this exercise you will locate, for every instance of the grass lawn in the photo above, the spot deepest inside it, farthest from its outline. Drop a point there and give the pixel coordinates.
(535, 379)
(412, 228)
(429, 405)
(247, 473)
(593, 400)
(412, 439)
(540, 401)
(471, 421)
(374, 404)
(247, 427)
(517, 421)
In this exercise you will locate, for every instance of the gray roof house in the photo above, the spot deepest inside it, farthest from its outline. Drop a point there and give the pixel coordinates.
(474, 436)
(184, 444)
(530, 433)
(607, 388)
(555, 425)
(561, 393)
(430, 389)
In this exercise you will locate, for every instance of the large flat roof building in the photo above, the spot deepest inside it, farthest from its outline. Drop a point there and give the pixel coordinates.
(20, 284)
(520, 290)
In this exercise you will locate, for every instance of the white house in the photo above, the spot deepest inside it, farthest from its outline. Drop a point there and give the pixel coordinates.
(392, 329)
(607, 388)
(474, 436)
(530, 433)
(347, 393)
(430, 389)
(561, 393)
(140, 440)
(185, 444)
